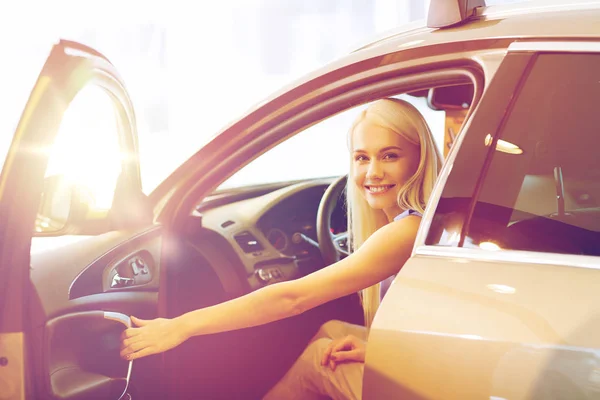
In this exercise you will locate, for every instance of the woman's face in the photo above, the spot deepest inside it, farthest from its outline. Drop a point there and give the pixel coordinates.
(382, 161)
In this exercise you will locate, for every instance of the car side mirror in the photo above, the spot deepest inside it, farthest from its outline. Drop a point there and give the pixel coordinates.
(457, 97)
(63, 207)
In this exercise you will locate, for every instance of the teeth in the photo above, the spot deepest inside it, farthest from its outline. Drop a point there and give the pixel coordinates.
(378, 189)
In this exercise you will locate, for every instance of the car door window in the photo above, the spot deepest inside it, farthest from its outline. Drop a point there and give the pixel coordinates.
(299, 158)
(85, 155)
(467, 159)
(542, 189)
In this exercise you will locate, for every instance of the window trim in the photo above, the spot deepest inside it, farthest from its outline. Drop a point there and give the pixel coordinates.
(405, 80)
(555, 47)
(509, 256)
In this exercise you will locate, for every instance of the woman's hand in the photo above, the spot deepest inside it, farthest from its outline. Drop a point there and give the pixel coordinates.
(150, 337)
(347, 349)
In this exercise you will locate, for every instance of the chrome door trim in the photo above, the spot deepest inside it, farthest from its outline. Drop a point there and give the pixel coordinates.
(556, 46)
(436, 194)
(125, 320)
(509, 256)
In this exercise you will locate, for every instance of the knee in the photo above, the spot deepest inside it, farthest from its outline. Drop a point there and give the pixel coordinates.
(331, 329)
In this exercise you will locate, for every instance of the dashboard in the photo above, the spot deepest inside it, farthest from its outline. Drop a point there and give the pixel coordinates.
(275, 234)
(284, 223)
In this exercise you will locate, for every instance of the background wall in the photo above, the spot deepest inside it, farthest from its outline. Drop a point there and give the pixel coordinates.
(190, 67)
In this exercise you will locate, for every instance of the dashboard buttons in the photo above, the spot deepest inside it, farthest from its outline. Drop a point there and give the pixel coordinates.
(267, 275)
(264, 275)
(138, 266)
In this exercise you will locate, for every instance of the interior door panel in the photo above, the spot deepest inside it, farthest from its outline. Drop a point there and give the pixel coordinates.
(76, 273)
(75, 348)
(81, 357)
(70, 350)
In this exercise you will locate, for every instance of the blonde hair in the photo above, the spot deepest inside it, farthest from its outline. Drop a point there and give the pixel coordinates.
(404, 119)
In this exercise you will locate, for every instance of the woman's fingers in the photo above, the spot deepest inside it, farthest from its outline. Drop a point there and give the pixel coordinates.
(327, 353)
(150, 337)
(132, 348)
(130, 332)
(345, 343)
(142, 353)
(335, 345)
(346, 349)
(128, 338)
(344, 356)
(139, 322)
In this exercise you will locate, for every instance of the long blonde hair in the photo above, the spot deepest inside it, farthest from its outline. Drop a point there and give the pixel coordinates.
(404, 119)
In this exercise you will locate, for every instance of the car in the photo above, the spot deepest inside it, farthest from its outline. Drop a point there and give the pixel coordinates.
(499, 299)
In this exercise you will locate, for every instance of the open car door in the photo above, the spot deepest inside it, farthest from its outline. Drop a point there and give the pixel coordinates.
(61, 309)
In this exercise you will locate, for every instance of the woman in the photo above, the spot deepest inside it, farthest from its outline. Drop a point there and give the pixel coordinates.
(394, 165)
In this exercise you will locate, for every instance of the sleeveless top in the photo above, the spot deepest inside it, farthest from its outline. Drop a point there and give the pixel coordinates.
(385, 284)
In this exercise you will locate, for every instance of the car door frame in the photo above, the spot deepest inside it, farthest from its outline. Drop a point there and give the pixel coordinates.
(295, 109)
(68, 69)
(527, 51)
(378, 381)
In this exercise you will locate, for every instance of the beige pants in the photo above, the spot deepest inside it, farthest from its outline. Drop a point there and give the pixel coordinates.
(307, 379)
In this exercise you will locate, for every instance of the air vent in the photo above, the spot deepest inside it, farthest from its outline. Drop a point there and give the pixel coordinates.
(227, 223)
(248, 242)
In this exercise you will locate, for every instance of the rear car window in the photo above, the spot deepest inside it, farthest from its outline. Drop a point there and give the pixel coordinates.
(542, 189)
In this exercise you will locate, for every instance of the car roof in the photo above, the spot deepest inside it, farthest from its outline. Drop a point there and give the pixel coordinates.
(529, 20)
(533, 19)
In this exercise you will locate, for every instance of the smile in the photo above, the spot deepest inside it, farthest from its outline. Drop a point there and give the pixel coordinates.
(378, 189)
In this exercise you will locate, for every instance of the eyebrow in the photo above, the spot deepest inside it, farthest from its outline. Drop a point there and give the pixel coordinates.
(380, 151)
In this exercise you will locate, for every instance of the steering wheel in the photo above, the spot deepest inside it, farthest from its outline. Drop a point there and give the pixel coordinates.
(333, 247)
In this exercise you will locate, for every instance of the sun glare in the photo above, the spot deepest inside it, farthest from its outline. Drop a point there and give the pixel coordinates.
(86, 150)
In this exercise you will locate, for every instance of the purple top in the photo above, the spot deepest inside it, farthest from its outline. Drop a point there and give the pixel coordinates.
(385, 284)
(407, 213)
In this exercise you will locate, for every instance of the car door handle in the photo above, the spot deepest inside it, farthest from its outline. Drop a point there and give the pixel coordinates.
(119, 281)
(125, 320)
(119, 317)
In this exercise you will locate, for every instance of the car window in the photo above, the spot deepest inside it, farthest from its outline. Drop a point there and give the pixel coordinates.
(321, 150)
(542, 189)
(85, 157)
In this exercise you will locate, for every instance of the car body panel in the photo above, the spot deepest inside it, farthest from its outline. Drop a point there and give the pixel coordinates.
(456, 328)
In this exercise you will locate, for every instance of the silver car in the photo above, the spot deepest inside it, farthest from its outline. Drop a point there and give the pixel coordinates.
(499, 300)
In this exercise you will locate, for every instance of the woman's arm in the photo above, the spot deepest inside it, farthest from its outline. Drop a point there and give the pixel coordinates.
(381, 256)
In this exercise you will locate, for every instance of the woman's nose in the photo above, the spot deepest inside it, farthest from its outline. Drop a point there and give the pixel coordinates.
(375, 171)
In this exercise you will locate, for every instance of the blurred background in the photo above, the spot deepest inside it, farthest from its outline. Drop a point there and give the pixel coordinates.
(193, 67)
